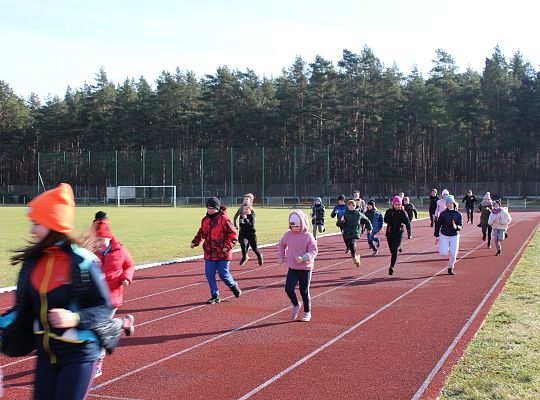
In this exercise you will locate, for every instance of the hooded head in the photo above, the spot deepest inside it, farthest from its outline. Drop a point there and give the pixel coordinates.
(299, 218)
(54, 209)
(445, 193)
(486, 201)
(318, 200)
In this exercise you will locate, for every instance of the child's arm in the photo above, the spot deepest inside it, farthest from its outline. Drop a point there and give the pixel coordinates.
(231, 235)
(235, 218)
(414, 211)
(198, 238)
(282, 249)
(333, 213)
(311, 251)
(129, 268)
(366, 222)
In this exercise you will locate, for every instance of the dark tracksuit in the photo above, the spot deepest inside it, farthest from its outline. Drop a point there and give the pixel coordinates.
(377, 222)
(485, 211)
(432, 207)
(317, 218)
(66, 358)
(351, 224)
(247, 236)
(395, 220)
(469, 206)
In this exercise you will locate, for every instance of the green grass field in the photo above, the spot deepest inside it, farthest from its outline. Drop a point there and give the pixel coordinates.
(150, 234)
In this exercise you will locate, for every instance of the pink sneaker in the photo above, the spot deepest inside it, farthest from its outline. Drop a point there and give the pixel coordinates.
(295, 311)
(306, 316)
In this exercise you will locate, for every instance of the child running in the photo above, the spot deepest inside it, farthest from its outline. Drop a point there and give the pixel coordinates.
(246, 201)
(433, 199)
(350, 222)
(247, 236)
(298, 249)
(337, 212)
(317, 216)
(447, 228)
(485, 208)
(469, 201)
(60, 302)
(117, 266)
(360, 202)
(499, 220)
(441, 203)
(219, 236)
(395, 218)
(409, 209)
(377, 223)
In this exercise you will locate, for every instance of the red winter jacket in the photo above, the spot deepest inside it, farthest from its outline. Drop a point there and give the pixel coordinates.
(219, 236)
(117, 266)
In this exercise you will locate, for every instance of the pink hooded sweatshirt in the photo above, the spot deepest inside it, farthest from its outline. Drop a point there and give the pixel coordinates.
(302, 244)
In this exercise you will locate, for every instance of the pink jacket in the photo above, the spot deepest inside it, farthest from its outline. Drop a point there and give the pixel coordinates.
(302, 244)
(117, 266)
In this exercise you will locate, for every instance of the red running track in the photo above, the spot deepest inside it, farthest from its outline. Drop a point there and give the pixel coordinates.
(372, 336)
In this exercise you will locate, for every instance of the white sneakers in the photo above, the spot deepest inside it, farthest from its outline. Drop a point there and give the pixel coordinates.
(306, 316)
(295, 311)
(357, 260)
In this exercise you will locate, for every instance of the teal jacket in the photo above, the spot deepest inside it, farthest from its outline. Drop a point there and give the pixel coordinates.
(352, 223)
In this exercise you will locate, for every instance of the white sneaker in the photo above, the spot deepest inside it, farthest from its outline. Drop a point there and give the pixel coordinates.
(306, 316)
(295, 311)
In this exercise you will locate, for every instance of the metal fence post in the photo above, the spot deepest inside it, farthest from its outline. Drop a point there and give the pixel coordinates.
(232, 177)
(202, 177)
(262, 190)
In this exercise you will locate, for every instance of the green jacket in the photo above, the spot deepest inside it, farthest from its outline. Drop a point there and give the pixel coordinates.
(351, 223)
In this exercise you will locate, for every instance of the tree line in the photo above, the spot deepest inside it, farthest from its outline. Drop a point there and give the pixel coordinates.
(381, 124)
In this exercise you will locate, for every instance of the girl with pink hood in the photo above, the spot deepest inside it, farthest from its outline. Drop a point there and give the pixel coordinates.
(298, 249)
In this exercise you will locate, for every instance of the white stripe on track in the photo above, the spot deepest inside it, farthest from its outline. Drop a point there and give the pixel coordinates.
(471, 319)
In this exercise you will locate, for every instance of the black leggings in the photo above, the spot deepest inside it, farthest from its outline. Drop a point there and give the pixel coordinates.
(487, 229)
(303, 277)
(247, 241)
(470, 214)
(394, 243)
(351, 245)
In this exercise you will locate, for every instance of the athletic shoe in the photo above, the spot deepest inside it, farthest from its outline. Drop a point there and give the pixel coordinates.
(347, 250)
(306, 316)
(400, 249)
(479, 225)
(295, 311)
(261, 260)
(129, 320)
(378, 242)
(213, 300)
(236, 290)
(451, 271)
(323, 229)
(489, 246)
(498, 253)
(375, 253)
(431, 225)
(99, 369)
(391, 271)
(505, 235)
(357, 260)
(244, 260)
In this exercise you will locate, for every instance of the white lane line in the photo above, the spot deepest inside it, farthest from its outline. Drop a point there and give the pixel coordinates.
(471, 319)
(345, 333)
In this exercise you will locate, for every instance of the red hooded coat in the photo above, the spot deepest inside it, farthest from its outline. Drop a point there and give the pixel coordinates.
(219, 235)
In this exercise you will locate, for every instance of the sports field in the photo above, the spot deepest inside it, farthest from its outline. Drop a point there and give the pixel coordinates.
(372, 336)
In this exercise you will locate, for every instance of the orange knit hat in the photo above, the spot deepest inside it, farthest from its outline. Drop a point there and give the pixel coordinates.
(54, 209)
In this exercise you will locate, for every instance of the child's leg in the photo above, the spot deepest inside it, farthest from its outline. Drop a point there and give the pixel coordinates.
(394, 243)
(224, 273)
(255, 248)
(444, 245)
(315, 231)
(454, 248)
(344, 240)
(320, 227)
(290, 285)
(243, 245)
(304, 280)
(210, 268)
(370, 240)
(489, 235)
(351, 244)
(74, 380)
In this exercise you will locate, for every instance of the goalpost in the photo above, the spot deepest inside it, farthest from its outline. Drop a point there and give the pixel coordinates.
(133, 192)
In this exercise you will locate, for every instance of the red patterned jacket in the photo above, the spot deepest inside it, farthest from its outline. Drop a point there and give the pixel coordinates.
(219, 236)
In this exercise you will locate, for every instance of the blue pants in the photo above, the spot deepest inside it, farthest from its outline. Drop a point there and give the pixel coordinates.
(303, 277)
(371, 238)
(222, 268)
(62, 382)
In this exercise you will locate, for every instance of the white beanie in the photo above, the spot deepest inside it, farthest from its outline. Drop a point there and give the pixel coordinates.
(295, 218)
(445, 192)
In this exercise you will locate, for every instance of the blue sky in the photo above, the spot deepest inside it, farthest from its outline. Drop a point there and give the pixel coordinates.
(48, 45)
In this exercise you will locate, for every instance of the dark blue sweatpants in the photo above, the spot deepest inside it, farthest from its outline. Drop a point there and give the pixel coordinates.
(303, 277)
(62, 382)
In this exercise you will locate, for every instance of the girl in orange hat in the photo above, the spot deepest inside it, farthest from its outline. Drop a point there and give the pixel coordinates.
(61, 302)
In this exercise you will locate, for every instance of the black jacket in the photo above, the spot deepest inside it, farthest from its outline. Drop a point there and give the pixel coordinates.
(395, 220)
(444, 223)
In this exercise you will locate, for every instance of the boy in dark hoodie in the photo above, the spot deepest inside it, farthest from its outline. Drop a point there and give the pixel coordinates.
(350, 222)
(409, 209)
(219, 236)
(337, 212)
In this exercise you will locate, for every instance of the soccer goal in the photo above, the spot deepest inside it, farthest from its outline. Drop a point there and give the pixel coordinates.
(144, 195)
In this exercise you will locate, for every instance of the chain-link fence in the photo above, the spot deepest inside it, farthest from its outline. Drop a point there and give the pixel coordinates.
(275, 174)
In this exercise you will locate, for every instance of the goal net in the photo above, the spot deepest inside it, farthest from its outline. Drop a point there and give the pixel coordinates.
(143, 195)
